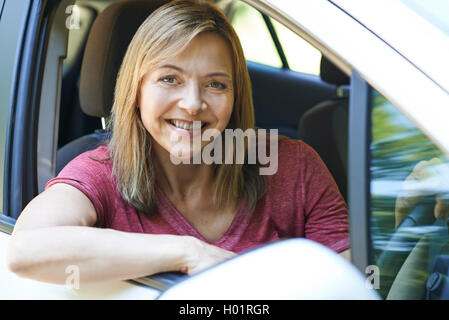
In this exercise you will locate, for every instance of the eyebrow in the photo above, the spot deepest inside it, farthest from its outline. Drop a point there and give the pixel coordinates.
(213, 74)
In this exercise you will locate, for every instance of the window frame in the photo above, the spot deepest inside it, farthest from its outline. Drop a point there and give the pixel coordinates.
(276, 41)
(6, 224)
(2, 4)
(20, 159)
(359, 138)
(16, 17)
(31, 74)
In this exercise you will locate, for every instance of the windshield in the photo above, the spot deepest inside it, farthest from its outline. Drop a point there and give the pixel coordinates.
(434, 11)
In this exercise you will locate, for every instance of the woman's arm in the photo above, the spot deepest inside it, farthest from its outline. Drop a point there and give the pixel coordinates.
(55, 231)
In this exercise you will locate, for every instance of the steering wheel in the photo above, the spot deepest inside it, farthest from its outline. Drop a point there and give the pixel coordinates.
(404, 240)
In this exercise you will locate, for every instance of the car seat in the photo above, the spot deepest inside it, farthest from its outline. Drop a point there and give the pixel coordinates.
(70, 111)
(325, 126)
(106, 46)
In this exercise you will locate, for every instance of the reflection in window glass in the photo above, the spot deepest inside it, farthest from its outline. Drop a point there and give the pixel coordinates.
(301, 56)
(409, 207)
(256, 40)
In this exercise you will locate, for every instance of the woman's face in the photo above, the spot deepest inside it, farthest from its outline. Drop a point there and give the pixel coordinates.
(195, 85)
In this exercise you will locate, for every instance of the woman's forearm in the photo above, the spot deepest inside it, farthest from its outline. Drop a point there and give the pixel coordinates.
(99, 254)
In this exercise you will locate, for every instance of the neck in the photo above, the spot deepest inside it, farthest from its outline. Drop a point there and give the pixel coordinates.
(183, 181)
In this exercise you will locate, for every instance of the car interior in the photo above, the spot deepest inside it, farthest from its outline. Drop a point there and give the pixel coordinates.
(294, 103)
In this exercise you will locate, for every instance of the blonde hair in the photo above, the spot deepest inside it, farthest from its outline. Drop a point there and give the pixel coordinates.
(165, 33)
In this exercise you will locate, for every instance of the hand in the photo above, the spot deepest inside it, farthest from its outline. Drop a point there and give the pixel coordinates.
(203, 255)
(428, 178)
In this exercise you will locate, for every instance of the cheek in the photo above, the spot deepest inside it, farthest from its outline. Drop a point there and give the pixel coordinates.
(224, 111)
(147, 122)
(151, 109)
(146, 115)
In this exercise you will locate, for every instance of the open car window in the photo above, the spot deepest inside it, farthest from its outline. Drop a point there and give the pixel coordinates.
(258, 44)
(301, 56)
(254, 36)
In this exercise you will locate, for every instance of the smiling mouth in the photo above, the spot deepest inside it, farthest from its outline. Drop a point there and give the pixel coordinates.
(185, 125)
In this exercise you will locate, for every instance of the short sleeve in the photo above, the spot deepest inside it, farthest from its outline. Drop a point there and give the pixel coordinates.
(325, 211)
(90, 174)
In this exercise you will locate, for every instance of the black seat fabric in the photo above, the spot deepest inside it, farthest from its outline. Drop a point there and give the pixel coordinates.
(106, 46)
(78, 146)
(325, 126)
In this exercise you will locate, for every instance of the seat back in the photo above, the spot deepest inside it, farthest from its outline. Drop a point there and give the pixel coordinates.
(325, 126)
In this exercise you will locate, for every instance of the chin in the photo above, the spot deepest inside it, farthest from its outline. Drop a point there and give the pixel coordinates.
(180, 154)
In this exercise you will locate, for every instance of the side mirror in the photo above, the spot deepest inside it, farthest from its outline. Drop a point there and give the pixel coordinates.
(288, 269)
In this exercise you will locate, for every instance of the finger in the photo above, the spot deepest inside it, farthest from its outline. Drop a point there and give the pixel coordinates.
(435, 161)
(441, 210)
(422, 170)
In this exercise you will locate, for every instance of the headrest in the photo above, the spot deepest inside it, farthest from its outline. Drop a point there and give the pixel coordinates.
(106, 46)
(330, 73)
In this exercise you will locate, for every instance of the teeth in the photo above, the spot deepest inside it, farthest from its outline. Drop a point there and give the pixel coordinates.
(182, 124)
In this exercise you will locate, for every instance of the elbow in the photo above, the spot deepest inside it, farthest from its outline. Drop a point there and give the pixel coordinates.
(16, 257)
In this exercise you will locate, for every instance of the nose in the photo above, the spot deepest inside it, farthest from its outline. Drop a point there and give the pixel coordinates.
(191, 101)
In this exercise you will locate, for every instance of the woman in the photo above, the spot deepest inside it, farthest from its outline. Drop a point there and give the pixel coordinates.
(128, 210)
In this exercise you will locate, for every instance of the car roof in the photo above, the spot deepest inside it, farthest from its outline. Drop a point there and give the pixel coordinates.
(408, 31)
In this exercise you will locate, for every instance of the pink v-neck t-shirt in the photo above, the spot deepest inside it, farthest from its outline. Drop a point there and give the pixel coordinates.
(302, 201)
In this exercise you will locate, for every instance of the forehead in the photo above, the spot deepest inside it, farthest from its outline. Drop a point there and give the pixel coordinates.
(205, 52)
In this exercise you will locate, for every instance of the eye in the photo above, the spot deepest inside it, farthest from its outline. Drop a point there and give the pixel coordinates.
(169, 80)
(217, 85)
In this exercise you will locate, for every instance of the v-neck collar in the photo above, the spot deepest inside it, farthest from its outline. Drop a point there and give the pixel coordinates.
(177, 220)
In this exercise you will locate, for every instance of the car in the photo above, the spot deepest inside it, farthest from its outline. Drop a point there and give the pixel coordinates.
(363, 83)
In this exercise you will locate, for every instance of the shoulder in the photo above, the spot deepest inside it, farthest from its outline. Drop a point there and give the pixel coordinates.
(100, 154)
(91, 173)
(91, 165)
(97, 158)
